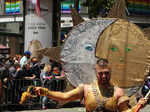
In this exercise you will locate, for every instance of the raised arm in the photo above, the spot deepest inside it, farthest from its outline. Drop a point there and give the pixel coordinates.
(72, 95)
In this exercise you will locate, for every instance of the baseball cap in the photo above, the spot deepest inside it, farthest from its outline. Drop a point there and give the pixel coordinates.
(27, 53)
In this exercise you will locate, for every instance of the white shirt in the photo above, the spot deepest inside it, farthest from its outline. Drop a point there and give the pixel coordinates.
(23, 61)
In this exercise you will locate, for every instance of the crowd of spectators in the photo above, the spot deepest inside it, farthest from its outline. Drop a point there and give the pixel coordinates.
(19, 72)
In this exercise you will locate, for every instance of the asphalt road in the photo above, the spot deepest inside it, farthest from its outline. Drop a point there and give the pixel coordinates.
(75, 109)
(71, 107)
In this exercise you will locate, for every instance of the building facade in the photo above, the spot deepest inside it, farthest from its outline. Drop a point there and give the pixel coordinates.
(66, 19)
(13, 19)
(11, 24)
(16, 23)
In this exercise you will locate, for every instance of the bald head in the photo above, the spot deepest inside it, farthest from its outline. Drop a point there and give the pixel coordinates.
(34, 60)
(102, 64)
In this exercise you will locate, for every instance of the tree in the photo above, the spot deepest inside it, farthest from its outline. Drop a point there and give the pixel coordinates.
(98, 7)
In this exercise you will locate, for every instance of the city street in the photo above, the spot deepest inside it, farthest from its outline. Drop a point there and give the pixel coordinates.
(74, 55)
(70, 107)
(73, 109)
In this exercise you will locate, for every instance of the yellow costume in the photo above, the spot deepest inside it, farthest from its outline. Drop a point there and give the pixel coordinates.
(97, 99)
(27, 95)
(97, 102)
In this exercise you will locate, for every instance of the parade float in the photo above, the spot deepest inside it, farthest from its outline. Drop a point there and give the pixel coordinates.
(118, 40)
(115, 38)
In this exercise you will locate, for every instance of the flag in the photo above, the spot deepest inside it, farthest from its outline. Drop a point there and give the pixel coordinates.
(37, 8)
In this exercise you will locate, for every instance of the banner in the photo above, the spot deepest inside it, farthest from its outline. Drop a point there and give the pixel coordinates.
(39, 27)
(13, 6)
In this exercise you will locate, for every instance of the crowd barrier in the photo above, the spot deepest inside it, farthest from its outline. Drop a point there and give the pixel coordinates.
(13, 89)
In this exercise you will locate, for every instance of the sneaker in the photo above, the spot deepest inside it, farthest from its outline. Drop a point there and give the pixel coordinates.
(44, 107)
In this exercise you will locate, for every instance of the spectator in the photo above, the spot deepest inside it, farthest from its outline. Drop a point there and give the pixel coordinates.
(14, 83)
(17, 58)
(24, 77)
(36, 69)
(56, 70)
(57, 73)
(25, 58)
(46, 80)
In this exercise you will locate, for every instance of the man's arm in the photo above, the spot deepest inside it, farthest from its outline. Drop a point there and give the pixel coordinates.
(119, 92)
(72, 95)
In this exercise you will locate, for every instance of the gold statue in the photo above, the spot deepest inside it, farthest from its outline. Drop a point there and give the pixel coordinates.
(28, 94)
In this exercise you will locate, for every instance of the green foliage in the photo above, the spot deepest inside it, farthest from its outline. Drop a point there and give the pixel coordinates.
(96, 6)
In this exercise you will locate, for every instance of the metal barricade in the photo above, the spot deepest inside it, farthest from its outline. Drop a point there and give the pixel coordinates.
(55, 84)
(14, 88)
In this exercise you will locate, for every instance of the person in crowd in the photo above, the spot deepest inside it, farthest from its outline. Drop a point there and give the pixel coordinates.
(13, 81)
(57, 73)
(47, 83)
(24, 77)
(3, 71)
(17, 58)
(28, 74)
(56, 70)
(36, 69)
(146, 86)
(36, 66)
(124, 106)
(3, 80)
(45, 73)
(25, 58)
(1, 92)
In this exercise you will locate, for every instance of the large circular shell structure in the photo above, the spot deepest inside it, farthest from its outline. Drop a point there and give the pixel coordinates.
(78, 52)
(85, 40)
(127, 50)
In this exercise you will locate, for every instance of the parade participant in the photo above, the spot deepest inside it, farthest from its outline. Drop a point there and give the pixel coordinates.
(100, 96)
(25, 58)
(123, 104)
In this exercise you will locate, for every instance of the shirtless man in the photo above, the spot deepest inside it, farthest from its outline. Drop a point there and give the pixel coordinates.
(100, 96)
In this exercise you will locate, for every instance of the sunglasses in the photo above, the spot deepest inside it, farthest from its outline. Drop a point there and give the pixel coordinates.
(106, 73)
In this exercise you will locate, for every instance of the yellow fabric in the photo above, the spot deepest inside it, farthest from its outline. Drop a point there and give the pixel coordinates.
(133, 109)
(91, 103)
